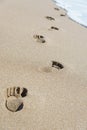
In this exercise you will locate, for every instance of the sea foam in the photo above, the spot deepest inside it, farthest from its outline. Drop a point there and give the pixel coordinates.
(76, 9)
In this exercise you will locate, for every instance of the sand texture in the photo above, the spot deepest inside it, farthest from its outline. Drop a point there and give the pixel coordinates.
(43, 53)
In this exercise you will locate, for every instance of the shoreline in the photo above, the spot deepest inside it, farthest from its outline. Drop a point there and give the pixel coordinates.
(68, 15)
(42, 67)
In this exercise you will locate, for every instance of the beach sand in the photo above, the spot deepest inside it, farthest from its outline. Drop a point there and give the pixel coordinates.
(57, 98)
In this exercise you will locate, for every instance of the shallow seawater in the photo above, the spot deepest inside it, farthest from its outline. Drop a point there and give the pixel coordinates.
(76, 9)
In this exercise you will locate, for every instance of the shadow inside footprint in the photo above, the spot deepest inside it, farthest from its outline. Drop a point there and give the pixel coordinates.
(18, 90)
(49, 18)
(54, 28)
(24, 92)
(57, 65)
(39, 38)
(20, 107)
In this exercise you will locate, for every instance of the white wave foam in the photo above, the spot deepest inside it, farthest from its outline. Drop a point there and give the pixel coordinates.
(76, 9)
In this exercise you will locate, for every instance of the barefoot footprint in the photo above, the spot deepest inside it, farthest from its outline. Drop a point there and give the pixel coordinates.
(54, 28)
(62, 14)
(49, 18)
(53, 67)
(13, 102)
(39, 38)
(57, 9)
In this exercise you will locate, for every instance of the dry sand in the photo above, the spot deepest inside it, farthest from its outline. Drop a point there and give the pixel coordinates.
(57, 99)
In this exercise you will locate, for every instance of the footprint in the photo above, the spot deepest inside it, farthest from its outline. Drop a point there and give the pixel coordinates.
(39, 38)
(57, 65)
(49, 18)
(54, 28)
(51, 68)
(13, 102)
(57, 9)
(62, 14)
